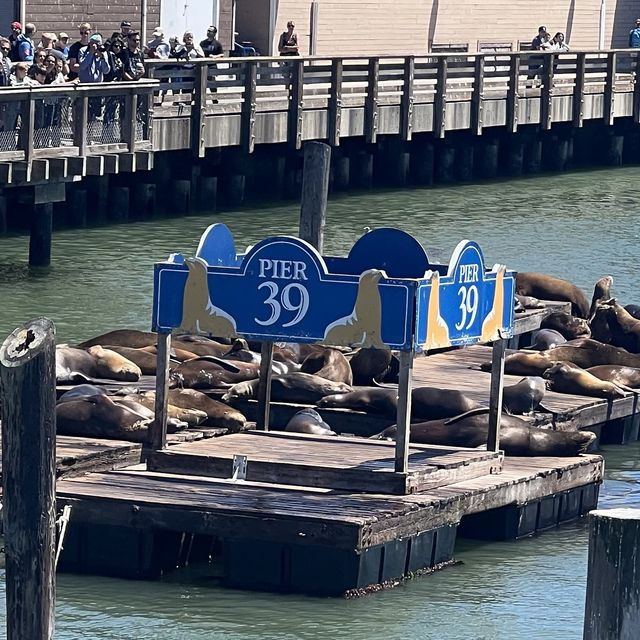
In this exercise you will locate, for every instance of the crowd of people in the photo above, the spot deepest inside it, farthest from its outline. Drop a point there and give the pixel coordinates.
(92, 58)
(544, 42)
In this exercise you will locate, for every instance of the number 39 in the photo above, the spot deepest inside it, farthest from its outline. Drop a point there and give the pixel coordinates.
(468, 306)
(285, 303)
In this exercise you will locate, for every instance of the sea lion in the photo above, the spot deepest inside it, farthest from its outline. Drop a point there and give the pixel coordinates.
(147, 361)
(622, 328)
(586, 353)
(566, 324)
(524, 363)
(179, 355)
(634, 310)
(431, 403)
(82, 391)
(601, 292)
(85, 365)
(368, 364)
(211, 373)
(131, 338)
(98, 416)
(565, 378)
(193, 417)
(292, 387)
(200, 347)
(218, 414)
(374, 400)
(546, 287)
(529, 302)
(622, 376)
(174, 424)
(525, 396)
(517, 437)
(543, 339)
(329, 364)
(309, 421)
(363, 326)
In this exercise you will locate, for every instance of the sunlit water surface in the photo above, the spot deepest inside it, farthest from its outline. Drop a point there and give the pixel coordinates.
(578, 226)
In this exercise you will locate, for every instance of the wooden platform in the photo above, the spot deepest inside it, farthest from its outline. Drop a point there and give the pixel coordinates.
(351, 464)
(132, 523)
(75, 456)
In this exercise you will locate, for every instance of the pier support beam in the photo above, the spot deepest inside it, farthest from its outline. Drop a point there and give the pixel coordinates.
(234, 190)
(118, 204)
(341, 168)
(41, 232)
(98, 190)
(613, 577)
(77, 207)
(445, 163)
(556, 153)
(463, 168)
(362, 170)
(422, 159)
(615, 150)
(487, 155)
(208, 193)
(514, 157)
(180, 196)
(533, 156)
(3, 215)
(143, 199)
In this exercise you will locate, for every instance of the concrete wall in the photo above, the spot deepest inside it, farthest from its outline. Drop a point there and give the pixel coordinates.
(406, 26)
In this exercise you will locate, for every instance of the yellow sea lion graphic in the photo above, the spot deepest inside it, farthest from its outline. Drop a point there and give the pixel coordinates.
(493, 322)
(437, 329)
(199, 315)
(363, 326)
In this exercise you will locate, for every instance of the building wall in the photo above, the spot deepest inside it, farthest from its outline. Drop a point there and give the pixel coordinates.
(354, 27)
(225, 25)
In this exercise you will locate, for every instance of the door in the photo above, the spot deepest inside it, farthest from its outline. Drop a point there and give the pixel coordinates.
(178, 16)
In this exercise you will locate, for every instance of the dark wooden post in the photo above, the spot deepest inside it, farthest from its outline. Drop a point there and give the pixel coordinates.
(335, 103)
(27, 123)
(41, 235)
(129, 124)
(406, 105)
(610, 89)
(403, 419)
(249, 103)
(199, 104)
(546, 95)
(315, 186)
(295, 103)
(371, 102)
(636, 90)
(613, 575)
(80, 122)
(159, 429)
(477, 97)
(513, 94)
(440, 100)
(495, 396)
(578, 90)
(28, 381)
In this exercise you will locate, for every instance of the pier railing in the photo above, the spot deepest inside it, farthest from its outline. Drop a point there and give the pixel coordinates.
(248, 101)
(75, 120)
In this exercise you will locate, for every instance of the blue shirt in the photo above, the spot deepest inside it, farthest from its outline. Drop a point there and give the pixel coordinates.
(25, 48)
(92, 68)
(634, 38)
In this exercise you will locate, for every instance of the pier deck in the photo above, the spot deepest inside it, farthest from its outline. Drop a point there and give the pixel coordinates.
(132, 523)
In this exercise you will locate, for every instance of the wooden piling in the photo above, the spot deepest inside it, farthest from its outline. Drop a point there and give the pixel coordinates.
(118, 204)
(3, 215)
(235, 189)
(143, 199)
(613, 576)
(445, 163)
(208, 193)
(614, 151)
(487, 158)
(514, 161)
(180, 196)
(340, 172)
(41, 233)
(463, 169)
(422, 157)
(362, 170)
(77, 207)
(315, 185)
(533, 156)
(28, 379)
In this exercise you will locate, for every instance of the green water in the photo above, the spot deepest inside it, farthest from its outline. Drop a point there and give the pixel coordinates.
(578, 226)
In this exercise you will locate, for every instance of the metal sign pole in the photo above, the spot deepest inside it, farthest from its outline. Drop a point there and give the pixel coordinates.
(403, 420)
(495, 397)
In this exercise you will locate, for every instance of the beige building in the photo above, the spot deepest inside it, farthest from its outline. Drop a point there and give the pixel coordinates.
(367, 27)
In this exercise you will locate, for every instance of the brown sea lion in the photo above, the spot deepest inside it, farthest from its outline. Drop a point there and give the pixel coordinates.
(292, 387)
(601, 292)
(201, 347)
(368, 364)
(546, 287)
(517, 437)
(431, 403)
(525, 396)
(218, 414)
(634, 310)
(375, 400)
(180, 355)
(529, 302)
(566, 324)
(524, 363)
(131, 338)
(621, 376)
(543, 339)
(309, 421)
(586, 353)
(211, 373)
(193, 417)
(565, 378)
(174, 424)
(622, 328)
(147, 362)
(85, 365)
(329, 364)
(98, 416)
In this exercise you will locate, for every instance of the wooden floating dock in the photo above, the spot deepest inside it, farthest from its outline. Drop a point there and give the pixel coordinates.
(318, 540)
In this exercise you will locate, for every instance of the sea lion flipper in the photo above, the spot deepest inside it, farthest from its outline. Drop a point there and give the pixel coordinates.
(466, 414)
(225, 364)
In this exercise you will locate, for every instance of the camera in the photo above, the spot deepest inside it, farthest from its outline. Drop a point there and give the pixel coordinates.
(102, 48)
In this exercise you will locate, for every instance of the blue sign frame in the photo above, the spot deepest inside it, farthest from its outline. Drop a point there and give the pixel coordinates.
(384, 294)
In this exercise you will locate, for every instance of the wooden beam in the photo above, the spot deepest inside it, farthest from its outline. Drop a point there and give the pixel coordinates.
(198, 109)
(264, 387)
(477, 97)
(126, 162)
(404, 412)
(406, 104)
(128, 122)
(80, 123)
(546, 95)
(315, 188)
(371, 102)
(513, 94)
(27, 123)
(495, 394)
(77, 166)
(6, 172)
(610, 89)
(295, 103)
(95, 166)
(578, 90)
(159, 428)
(440, 101)
(49, 192)
(111, 163)
(636, 90)
(334, 115)
(249, 104)
(144, 160)
(58, 168)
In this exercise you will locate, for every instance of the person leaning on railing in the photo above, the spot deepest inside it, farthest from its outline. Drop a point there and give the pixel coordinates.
(133, 57)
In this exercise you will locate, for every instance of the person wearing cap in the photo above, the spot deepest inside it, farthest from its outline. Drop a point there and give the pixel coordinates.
(157, 48)
(634, 36)
(542, 40)
(63, 44)
(47, 40)
(125, 29)
(92, 61)
(26, 47)
(16, 30)
(211, 47)
(74, 49)
(288, 43)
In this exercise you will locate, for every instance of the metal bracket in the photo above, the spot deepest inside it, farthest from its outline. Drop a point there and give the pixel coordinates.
(239, 471)
(62, 523)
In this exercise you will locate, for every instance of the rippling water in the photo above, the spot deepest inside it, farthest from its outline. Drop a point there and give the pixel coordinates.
(578, 226)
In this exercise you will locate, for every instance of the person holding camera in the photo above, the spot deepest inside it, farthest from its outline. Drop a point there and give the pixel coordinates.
(93, 61)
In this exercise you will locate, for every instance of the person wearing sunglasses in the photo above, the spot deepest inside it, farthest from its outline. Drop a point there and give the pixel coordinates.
(74, 49)
(5, 63)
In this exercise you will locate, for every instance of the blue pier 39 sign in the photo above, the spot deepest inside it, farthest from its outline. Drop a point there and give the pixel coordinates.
(281, 290)
(384, 294)
(466, 305)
